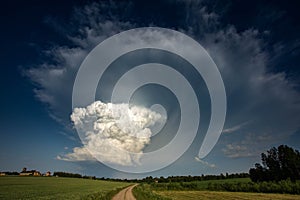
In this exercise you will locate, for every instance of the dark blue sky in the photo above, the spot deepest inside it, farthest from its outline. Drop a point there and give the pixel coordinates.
(34, 131)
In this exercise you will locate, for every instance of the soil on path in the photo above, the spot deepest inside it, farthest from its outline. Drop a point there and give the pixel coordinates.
(125, 194)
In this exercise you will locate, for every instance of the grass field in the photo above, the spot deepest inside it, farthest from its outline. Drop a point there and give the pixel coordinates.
(207, 195)
(14, 187)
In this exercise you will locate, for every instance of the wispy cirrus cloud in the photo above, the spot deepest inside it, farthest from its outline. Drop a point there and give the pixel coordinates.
(234, 128)
(55, 77)
(266, 99)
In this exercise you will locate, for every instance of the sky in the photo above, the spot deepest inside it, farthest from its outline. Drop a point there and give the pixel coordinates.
(254, 44)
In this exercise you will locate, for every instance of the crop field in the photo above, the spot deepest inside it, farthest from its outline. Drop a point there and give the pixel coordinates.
(14, 187)
(207, 195)
(195, 185)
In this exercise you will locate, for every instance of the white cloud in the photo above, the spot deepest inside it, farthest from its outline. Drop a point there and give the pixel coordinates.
(236, 151)
(78, 154)
(112, 133)
(205, 163)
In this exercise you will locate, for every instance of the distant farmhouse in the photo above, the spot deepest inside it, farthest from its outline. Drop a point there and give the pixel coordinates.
(47, 174)
(24, 172)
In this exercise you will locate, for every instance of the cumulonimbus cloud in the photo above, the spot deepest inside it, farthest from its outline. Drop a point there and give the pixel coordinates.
(255, 93)
(112, 132)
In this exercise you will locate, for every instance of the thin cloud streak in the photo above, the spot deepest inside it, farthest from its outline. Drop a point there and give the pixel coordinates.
(205, 163)
(235, 128)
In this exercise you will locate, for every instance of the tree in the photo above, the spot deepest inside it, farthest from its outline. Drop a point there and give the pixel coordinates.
(278, 164)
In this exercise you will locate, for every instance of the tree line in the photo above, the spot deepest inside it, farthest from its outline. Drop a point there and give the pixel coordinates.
(72, 175)
(189, 178)
(150, 179)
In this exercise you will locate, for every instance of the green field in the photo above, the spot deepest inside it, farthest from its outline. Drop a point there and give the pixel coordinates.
(207, 195)
(195, 185)
(14, 187)
(203, 190)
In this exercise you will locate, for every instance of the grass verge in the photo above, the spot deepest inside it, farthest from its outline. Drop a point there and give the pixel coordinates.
(103, 196)
(144, 192)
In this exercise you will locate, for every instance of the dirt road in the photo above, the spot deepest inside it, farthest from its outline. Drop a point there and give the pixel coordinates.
(125, 194)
